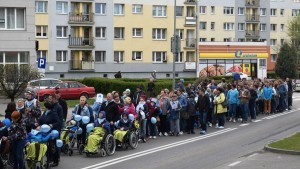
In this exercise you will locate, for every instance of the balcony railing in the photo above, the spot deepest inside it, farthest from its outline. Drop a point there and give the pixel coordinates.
(252, 18)
(252, 33)
(190, 43)
(81, 65)
(81, 42)
(190, 1)
(252, 3)
(80, 18)
(190, 21)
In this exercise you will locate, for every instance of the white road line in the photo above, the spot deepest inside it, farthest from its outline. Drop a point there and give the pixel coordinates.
(235, 163)
(252, 155)
(244, 124)
(153, 150)
(296, 99)
(280, 114)
(255, 121)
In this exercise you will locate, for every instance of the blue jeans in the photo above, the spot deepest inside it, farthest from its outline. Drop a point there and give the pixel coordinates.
(203, 116)
(245, 111)
(252, 109)
(152, 129)
(143, 126)
(232, 110)
(221, 119)
(18, 146)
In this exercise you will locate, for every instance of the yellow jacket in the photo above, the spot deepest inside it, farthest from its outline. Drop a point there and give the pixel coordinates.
(218, 104)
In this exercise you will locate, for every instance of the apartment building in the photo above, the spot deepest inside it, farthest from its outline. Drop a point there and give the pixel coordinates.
(17, 40)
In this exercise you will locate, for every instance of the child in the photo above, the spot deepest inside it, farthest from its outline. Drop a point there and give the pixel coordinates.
(174, 115)
(153, 113)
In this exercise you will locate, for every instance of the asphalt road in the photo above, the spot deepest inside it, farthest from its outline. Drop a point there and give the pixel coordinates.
(236, 146)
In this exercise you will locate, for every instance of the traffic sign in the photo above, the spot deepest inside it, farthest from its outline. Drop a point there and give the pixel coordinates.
(41, 63)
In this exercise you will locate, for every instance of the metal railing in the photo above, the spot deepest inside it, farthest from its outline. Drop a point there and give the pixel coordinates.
(81, 42)
(252, 18)
(190, 43)
(190, 1)
(81, 65)
(252, 3)
(190, 20)
(81, 18)
(252, 33)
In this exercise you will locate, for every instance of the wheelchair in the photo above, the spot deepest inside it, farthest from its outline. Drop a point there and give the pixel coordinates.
(130, 139)
(6, 159)
(43, 162)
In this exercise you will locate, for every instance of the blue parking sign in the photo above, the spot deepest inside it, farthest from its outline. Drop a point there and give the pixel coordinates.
(41, 63)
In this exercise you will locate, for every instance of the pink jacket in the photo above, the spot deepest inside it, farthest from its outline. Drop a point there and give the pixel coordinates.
(129, 109)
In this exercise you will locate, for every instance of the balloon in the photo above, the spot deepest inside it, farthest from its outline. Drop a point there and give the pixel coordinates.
(79, 131)
(45, 128)
(131, 117)
(77, 117)
(89, 127)
(117, 123)
(85, 119)
(6, 122)
(59, 143)
(142, 114)
(55, 134)
(153, 120)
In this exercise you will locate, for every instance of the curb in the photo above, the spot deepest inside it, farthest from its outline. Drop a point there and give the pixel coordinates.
(281, 151)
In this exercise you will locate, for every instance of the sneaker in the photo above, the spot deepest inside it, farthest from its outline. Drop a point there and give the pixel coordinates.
(165, 134)
(230, 120)
(192, 132)
(154, 137)
(220, 127)
(240, 119)
(150, 137)
(160, 134)
(209, 124)
(217, 125)
(140, 139)
(144, 140)
(233, 120)
(202, 132)
(181, 133)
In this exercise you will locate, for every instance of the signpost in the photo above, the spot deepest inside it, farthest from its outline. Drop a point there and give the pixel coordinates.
(41, 69)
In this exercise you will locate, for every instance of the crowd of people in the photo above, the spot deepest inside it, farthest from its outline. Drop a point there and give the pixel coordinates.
(170, 113)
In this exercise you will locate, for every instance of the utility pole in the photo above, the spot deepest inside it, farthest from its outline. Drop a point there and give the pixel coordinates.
(197, 40)
(175, 44)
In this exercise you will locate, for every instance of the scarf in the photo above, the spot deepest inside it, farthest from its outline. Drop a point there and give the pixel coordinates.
(125, 121)
(29, 103)
(19, 108)
(100, 121)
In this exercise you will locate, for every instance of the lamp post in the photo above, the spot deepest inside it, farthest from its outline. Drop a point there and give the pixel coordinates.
(175, 44)
(196, 41)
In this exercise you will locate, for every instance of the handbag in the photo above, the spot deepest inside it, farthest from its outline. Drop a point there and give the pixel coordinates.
(225, 104)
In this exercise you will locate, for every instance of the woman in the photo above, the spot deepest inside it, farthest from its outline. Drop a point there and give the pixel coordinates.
(17, 135)
(128, 107)
(164, 104)
(11, 107)
(219, 109)
(21, 107)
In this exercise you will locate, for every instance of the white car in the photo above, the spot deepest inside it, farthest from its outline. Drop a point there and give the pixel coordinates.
(41, 83)
(242, 75)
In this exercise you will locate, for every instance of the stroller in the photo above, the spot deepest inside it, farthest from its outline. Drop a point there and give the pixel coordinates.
(6, 159)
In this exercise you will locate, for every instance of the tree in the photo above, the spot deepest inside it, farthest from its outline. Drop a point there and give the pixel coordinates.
(294, 34)
(14, 79)
(286, 65)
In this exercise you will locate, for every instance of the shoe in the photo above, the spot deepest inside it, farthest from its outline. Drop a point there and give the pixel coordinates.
(165, 134)
(240, 119)
(230, 120)
(144, 140)
(177, 134)
(154, 137)
(192, 132)
(209, 124)
(202, 132)
(188, 132)
(160, 134)
(54, 164)
(233, 120)
(217, 125)
(220, 127)
(150, 137)
(140, 139)
(289, 108)
(181, 133)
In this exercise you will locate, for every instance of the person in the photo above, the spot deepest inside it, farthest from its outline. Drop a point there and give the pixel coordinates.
(153, 113)
(267, 96)
(203, 106)
(191, 110)
(17, 135)
(21, 107)
(219, 109)
(244, 96)
(32, 109)
(57, 108)
(150, 89)
(142, 110)
(164, 105)
(118, 75)
(175, 108)
(128, 107)
(282, 96)
(184, 115)
(63, 104)
(252, 102)
(123, 126)
(289, 93)
(137, 95)
(232, 98)
(210, 113)
(112, 111)
(11, 107)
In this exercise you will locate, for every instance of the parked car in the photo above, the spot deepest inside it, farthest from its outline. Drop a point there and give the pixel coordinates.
(297, 87)
(242, 75)
(68, 90)
(41, 83)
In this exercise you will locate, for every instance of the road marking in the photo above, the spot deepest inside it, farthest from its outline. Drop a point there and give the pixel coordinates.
(244, 124)
(280, 114)
(255, 121)
(153, 150)
(296, 99)
(252, 155)
(235, 163)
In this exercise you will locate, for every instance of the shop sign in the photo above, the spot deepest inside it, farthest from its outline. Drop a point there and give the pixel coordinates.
(240, 54)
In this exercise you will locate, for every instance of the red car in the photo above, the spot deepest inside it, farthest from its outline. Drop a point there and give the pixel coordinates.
(68, 90)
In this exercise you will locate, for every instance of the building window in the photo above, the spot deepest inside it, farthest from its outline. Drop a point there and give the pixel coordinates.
(137, 55)
(119, 56)
(281, 42)
(202, 40)
(263, 11)
(41, 6)
(159, 57)
(61, 31)
(262, 62)
(202, 25)
(263, 27)
(14, 57)
(100, 56)
(241, 26)
(137, 8)
(227, 40)
(281, 12)
(179, 58)
(273, 27)
(281, 27)
(273, 57)
(101, 32)
(100, 8)
(295, 12)
(119, 33)
(159, 34)
(273, 42)
(212, 25)
(41, 54)
(159, 11)
(119, 9)
(212, 10)
(241, 40)
(180, 33)
(41, 31)
(212, 39)
(12, 18)
(61, 7)
(273, 12)
(61, 56)
(228, 10)
(241, 11)
(202, 10)
(228, 26)
(190, 57)
(179, 10)
(137, 32)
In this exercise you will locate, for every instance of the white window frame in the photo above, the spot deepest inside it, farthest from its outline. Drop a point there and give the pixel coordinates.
(202, 9)
(272, 26)
(228, 26)
(137, 55)
(102, 8)
(120, 56)
(212, 26)
(135, 32)
(179, 58)
(64, 31)
(135, 8)
(241, 11)
(157, 8)
(102, 56)
(159, 32)
(121, 9)
(282, 12)
(102, 32)
(273, 12)
(241, 25)
(263, 25)
(41, 54)
(295, 12)
(273, 42)
(121, 33)
(180, 33)
(64, 7)
(43, 27)
(282, 27)
(162, 58)
(263, 11)
(202, 25)
(44, 6)
(272, 57)
(228, 10)
(5, 19)
(212, 10)
(63, 55)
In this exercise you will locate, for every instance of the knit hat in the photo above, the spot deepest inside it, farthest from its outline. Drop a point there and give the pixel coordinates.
(15, 115)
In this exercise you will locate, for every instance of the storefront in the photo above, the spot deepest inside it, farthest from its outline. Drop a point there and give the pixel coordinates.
(221, 58)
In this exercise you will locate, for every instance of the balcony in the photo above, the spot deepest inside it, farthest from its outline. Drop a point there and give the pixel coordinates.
(80, 18)
(252, 18)
(190, 21)
(81, 42)
(190, 2)
(252, 3)
(80, 65)
(252, 33)
(190, 43)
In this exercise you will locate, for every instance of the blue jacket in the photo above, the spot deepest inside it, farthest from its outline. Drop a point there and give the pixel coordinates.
(175, 111)
(267, 93)
(39, 137)
(182, 100)
(232, 96)
(282, 89)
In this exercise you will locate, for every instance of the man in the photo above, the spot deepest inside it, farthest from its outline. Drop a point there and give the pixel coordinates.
(232, 98)
(203, 105)
(267, 96)
(112, 111)
(57, 108)
(244, 96)
(63, 104)
(282, 96)
(290, 93)
(137, 95)
(150, 88)
(184, 115)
